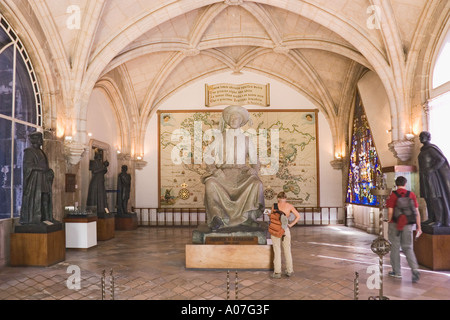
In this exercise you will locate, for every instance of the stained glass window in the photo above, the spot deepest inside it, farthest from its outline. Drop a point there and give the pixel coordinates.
(364, 162)
(20, 115)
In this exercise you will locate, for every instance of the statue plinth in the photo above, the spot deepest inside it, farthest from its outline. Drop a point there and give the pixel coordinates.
(432, 229)
(431, 251)
(106, 227)
(126, 221)
(203, 232)
(43, 227)
(37, 245)
(240, 247)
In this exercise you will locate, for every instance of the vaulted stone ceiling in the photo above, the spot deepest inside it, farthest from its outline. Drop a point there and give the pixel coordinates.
(145, 50)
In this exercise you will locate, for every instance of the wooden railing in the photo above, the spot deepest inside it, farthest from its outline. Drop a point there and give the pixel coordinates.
(163, 217)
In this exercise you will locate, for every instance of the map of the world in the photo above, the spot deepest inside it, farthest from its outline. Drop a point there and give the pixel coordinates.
(180, 181)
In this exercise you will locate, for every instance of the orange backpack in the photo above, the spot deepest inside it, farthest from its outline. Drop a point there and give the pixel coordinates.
(275, 225)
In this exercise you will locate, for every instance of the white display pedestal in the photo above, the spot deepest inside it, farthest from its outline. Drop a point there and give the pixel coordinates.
(81, 232)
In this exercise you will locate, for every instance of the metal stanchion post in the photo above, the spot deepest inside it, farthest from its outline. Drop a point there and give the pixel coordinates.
(103, 285)
(356, 286)
(236, 283)
(111, 284)
(380, 245)
(228, 285)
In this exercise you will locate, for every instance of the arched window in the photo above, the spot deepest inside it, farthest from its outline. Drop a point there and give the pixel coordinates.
(441, 72)
(364, 165)
(20, 114)
(439, 103)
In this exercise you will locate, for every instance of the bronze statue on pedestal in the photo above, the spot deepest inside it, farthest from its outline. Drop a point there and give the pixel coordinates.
(97, 192)
(434, 173)
(123, 187)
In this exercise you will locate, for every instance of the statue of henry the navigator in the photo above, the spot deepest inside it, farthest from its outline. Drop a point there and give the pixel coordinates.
(234, 193)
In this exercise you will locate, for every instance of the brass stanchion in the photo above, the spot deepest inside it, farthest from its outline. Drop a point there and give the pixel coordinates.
(236, 284)
(228, 285)
(380, 245)
(356, 286)
(111, 284)
(103, 285)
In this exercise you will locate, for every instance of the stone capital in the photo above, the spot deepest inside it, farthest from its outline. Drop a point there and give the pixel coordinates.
(140, 164)
(123, 156)
(73, 151)
(337, 164)
(234, 2)
(402, 149)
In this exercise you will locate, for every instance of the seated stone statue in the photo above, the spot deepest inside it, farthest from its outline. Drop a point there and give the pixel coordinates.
(233, 190)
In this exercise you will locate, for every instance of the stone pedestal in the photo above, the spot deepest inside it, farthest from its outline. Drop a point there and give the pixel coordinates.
(126, 222)
(106, 227)
(37, 249)
(433, 251)
(248, 257)
(203, 234)
(240, 247)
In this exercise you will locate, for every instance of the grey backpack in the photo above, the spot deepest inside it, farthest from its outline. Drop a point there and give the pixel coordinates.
(405, 206)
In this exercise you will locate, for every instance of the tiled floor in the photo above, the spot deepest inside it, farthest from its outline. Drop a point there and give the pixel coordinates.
(149, 263)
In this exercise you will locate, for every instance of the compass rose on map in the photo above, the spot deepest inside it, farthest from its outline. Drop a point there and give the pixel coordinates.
(184, 192)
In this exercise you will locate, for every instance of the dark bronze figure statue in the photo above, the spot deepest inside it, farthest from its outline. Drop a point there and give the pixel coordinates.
(37, 184)
(434, 182)
(97, 192)
(123, 187)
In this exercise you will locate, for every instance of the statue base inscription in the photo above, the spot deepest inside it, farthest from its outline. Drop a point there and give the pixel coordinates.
(432, 251)
(231, 240)
(37, 249)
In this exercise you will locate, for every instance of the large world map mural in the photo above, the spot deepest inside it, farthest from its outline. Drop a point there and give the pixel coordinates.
(295, 134)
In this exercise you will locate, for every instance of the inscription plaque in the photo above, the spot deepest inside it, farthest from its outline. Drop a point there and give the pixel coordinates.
(232, 240)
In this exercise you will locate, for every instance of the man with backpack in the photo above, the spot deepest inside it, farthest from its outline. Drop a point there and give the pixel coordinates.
(403, 214)
(281, 235)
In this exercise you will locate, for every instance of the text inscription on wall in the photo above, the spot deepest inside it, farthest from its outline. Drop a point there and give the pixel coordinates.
(237, 94)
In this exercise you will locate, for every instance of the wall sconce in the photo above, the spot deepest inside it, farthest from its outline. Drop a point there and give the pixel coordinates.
(89, 134)
(409, 136)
